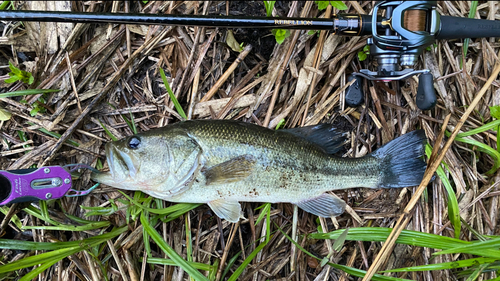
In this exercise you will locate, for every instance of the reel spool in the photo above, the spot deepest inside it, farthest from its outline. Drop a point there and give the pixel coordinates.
(399, 37)
(415, 20)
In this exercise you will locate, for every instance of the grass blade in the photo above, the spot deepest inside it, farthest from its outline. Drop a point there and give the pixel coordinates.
(4, 5)
(197, 265)
(444, 265)
(247, 261)
(27, 92)
(480, 247)
(172, 96)
(179, 261)
(34, 273)
(174, 209)
(63, 249)
(486, 149)
(347, 269)
(14, 219)
(230, 264)
(132, 123)
(472, 13)
(409, 237)
(110, 135)
(63, 227)
(489, 126)
(266, 209)
(453, 209)
(55, 135)
(477, 272)
(38, 259)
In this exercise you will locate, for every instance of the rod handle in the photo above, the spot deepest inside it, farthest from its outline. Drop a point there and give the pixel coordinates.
(457, 28)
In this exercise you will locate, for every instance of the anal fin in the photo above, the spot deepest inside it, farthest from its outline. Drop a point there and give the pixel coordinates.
(325, 205)
(228, 210)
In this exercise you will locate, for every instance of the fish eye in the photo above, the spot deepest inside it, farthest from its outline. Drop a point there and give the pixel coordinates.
(133, 142)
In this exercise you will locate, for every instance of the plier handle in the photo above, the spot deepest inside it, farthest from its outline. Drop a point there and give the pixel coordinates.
(26, 185)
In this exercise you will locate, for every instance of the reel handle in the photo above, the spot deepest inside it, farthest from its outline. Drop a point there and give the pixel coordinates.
(426, 96)
(354, 94)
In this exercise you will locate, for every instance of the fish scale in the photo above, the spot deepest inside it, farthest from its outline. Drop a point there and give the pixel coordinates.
(224, 162)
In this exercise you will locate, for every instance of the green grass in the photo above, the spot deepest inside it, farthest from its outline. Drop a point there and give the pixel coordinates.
(27, 92)
(472, 13)
(110, 135)
(347, 269)
(178, 260)
(43, 215)
(55, 135)
(494, 153)
(453, 210)
(4, 5)
(58, 251)
(487, 251)
(266, 212)
(172, 96)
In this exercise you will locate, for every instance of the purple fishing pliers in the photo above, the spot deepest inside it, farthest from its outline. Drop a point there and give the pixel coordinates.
(51, 182)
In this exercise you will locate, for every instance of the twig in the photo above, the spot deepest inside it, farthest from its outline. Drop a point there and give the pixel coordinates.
(127, 36)
(317, 60)
(130, 266)
(293, 250)
(203, 51)
(118, 260)
(385, 136)
(226, 74)
(73, 85)
(51, 153)
(234, 229)
(236, 94)
(180, 86)
(291, 47)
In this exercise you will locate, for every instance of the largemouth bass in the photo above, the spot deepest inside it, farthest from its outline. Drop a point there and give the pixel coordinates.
(223, 162)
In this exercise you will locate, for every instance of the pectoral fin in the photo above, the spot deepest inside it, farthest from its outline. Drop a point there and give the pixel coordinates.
(228, 210)
(325, 205)
(230, 171)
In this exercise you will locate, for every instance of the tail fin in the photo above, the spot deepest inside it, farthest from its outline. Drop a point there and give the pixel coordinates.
(401, 160)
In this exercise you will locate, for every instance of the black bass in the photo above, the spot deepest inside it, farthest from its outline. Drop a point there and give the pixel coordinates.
(222, 162)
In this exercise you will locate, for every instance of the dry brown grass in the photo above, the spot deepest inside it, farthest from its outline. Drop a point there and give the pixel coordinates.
(106, 70)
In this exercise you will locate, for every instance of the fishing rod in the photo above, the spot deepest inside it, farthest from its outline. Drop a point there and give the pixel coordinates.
(400, 30)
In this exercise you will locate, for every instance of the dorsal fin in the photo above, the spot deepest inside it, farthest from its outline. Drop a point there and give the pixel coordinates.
(324, 135)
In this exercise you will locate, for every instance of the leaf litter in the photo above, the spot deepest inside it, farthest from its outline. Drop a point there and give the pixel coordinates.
(109, 83)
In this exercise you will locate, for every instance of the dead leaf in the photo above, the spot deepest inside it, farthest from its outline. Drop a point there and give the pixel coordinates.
(202, 109)
(4, 115)
(232, 43)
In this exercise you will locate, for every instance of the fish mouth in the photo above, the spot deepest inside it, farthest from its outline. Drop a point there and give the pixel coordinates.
(121, 166)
